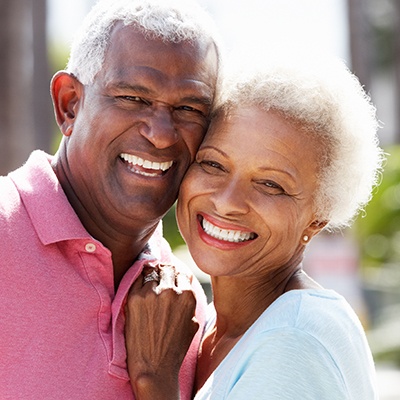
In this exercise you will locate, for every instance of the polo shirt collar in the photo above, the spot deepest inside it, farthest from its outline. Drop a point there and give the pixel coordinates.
(51, 214)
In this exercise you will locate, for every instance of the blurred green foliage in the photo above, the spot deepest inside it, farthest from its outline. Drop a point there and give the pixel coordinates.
(58, 56)
(171, 231)
(378, 229)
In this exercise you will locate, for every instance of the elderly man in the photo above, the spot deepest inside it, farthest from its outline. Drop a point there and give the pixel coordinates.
(77, 228)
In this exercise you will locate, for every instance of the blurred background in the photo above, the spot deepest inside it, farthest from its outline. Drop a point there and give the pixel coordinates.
(361, 263)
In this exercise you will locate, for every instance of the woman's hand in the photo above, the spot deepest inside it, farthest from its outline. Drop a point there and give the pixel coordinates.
(159, 328)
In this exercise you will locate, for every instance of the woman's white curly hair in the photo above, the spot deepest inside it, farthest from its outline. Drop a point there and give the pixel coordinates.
(326, 100)
(169, 20)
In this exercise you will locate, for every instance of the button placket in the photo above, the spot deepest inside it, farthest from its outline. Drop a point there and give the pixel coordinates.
(98, 265)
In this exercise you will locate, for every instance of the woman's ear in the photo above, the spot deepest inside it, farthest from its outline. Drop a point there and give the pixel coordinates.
(313, 229)
(66, 92)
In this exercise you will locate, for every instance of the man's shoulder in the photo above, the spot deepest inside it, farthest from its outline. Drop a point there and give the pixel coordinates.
(10, 200)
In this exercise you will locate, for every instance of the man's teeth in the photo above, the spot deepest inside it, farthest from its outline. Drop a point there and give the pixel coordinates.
(224, 234)
(134, 160)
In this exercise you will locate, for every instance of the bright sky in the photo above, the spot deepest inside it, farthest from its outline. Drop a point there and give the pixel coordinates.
(308, 24)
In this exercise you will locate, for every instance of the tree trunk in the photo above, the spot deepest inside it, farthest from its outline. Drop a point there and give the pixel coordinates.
(360, 41)
(25, 109)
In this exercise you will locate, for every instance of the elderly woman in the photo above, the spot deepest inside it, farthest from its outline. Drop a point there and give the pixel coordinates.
(290, 151)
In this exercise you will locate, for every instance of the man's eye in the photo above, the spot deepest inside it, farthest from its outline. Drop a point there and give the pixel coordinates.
(134, 99)
(189, 109)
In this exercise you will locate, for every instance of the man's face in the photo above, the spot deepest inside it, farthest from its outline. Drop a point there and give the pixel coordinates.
(138, 126)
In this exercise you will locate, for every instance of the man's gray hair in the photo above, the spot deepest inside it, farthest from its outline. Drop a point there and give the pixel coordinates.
(169, 20)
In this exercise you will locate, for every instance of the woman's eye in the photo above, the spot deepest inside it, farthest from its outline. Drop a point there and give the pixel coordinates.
(272, 187)
(211, 166)
(187, 108)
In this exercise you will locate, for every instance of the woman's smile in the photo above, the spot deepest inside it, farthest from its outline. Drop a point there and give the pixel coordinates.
(231, 234)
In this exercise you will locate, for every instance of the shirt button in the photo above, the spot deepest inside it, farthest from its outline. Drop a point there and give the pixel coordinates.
(90, 247)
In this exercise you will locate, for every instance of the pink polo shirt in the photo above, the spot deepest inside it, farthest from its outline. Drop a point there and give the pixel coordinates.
(61, 324)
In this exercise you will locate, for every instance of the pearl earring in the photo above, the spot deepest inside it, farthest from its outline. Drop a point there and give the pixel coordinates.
(305, 238)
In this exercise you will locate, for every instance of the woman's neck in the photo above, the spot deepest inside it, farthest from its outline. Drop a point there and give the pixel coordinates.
(238, 305)
(240, 301)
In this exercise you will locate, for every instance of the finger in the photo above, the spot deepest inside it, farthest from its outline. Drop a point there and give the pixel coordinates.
(152, 276)
(140, 280)
(136, 286)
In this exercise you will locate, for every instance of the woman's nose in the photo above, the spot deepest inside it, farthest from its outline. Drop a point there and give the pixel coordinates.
(231, 198)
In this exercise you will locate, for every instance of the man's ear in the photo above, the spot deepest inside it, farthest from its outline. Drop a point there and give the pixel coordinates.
(66, 92)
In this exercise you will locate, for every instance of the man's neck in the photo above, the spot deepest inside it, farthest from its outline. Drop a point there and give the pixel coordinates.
(125, 243)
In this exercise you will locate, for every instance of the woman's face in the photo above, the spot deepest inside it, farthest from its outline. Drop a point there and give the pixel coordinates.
(247, 200)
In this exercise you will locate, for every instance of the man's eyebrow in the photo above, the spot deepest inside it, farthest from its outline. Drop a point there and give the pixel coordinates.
(140, 89)
(203, 100)
(130, 86)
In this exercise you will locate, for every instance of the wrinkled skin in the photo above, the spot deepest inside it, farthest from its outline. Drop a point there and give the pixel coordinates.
(160, 326)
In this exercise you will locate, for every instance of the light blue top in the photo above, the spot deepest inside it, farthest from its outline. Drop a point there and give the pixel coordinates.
(308, 344)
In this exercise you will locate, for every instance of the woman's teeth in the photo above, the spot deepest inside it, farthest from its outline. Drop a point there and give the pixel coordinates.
(225, 234)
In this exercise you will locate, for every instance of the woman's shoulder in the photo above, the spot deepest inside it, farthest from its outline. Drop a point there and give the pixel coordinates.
(319, 330)
(300, 308)
(322, 318)
(317, 312)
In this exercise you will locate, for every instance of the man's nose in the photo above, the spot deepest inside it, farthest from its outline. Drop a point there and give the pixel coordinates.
(159, 128)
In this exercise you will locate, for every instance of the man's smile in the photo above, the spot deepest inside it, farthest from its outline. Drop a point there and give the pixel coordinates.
(144, 167)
